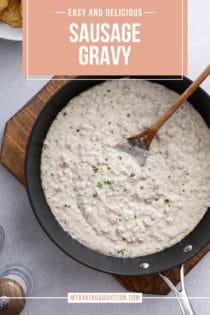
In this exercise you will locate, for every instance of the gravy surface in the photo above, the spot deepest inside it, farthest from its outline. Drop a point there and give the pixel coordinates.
(101, 196)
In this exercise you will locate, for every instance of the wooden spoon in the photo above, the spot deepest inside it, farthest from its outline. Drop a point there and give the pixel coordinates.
(143, 140)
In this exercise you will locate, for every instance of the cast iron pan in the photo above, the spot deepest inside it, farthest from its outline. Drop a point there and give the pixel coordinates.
(159, 262)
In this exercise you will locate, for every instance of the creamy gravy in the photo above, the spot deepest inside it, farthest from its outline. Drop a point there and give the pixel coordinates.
(101, 196)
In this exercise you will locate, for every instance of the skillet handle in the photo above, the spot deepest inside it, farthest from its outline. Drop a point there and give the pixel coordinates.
(181, 295)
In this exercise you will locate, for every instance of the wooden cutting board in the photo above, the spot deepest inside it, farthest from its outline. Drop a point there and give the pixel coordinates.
(14, 143)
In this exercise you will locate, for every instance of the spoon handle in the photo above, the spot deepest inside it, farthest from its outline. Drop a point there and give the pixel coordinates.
(180, 100)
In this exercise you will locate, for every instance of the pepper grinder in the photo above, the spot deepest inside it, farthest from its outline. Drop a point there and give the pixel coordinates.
(16, 282)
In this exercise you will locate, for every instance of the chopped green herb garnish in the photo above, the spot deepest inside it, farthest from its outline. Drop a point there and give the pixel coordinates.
(108, 91)
(109, 168)
(119, 218)
(125, 190)
(121, 252)
(120, 157)
(78, 130)
(64, 114)
(107, 182)
(167, 201)
(99, 185)
(132, 174)
(141, 187)
(95, 194)
(67, 206)
(95, 169)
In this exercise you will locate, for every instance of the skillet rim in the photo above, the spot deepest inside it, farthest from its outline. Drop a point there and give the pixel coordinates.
(119, 261)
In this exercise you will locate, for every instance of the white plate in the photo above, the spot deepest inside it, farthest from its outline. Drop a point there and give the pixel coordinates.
(10, 33)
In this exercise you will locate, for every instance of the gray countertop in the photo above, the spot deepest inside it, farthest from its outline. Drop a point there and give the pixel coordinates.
(55, 274)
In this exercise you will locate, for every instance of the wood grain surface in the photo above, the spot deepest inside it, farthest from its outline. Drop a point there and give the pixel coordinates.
(14, 144)
(18, 129)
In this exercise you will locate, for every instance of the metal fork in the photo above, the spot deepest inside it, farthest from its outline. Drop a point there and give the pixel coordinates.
(181, 295)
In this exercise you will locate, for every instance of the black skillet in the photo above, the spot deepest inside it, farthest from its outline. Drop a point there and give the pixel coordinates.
(159, 262)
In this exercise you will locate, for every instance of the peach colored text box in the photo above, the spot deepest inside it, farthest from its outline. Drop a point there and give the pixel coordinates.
(48, 50)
